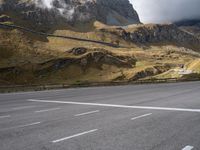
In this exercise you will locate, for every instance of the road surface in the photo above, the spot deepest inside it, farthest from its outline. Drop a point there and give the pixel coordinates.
(133, 117)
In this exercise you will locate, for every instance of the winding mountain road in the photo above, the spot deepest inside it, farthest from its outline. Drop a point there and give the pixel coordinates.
(2, 25)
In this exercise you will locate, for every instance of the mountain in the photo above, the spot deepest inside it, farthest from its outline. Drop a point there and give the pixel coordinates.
(59, 12)
(191, 22)
(81, 41)
(191, 26)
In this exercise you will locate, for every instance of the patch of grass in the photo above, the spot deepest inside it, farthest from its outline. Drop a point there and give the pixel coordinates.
(194, 65)
(193, 76)
(5, 52)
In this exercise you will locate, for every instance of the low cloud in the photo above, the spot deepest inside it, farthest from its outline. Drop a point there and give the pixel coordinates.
(164, 11)
(44, 3)
(66, 10)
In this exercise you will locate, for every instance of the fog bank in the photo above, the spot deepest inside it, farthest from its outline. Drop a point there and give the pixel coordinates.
(164, 11)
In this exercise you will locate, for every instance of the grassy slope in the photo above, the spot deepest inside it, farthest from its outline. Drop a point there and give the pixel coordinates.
(194, 65)
(25, 51)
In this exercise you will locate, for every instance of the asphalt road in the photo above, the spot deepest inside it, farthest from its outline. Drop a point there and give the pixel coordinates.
(134, 117)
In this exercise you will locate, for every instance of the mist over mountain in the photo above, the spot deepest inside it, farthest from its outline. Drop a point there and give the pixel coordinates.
(164, 11)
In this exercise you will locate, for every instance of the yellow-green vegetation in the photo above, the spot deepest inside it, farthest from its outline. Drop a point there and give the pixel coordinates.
(28, 58)
(194, 66)
(5, 19)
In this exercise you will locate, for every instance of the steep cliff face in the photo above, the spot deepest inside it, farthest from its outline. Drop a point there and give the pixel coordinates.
(112, 12)
(190, 26)
(161, 34)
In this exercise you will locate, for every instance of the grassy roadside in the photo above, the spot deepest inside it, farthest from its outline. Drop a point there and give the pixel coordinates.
(27, 88)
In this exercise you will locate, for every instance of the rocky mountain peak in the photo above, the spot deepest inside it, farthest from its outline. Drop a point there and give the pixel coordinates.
(112, 12)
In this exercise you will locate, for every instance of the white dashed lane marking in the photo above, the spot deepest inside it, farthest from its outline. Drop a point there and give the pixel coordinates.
(47, 110)
(21, 126)
(87, 113)
(22, 107)
(142, 116)
(1, 117)
(73, 136)
(188, 147)
(27, 125)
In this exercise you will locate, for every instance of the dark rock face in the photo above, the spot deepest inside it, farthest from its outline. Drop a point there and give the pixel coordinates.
(169, 33)
(78, 51)
(193, 22)
(113, 12)
(190, 26)
(151, 71)
(159, 33)
(5, 18)
(98, 57)
(117, 8)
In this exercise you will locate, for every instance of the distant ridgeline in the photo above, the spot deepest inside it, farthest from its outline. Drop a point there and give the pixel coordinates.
(191, 22)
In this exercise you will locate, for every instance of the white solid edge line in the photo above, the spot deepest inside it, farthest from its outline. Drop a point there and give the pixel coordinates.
(76, 135)
(145, 115)
(46, 110)
(188, 147)
(1, 117)
(87, 113)
(118, 106)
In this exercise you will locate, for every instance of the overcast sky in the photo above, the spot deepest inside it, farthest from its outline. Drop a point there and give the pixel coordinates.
(163, 11)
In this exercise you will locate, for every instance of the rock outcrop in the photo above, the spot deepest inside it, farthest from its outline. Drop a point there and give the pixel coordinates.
(98, 58)
(5, 18)
(112, 12)
(161, 33)
(190, 26)
(157, 34)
